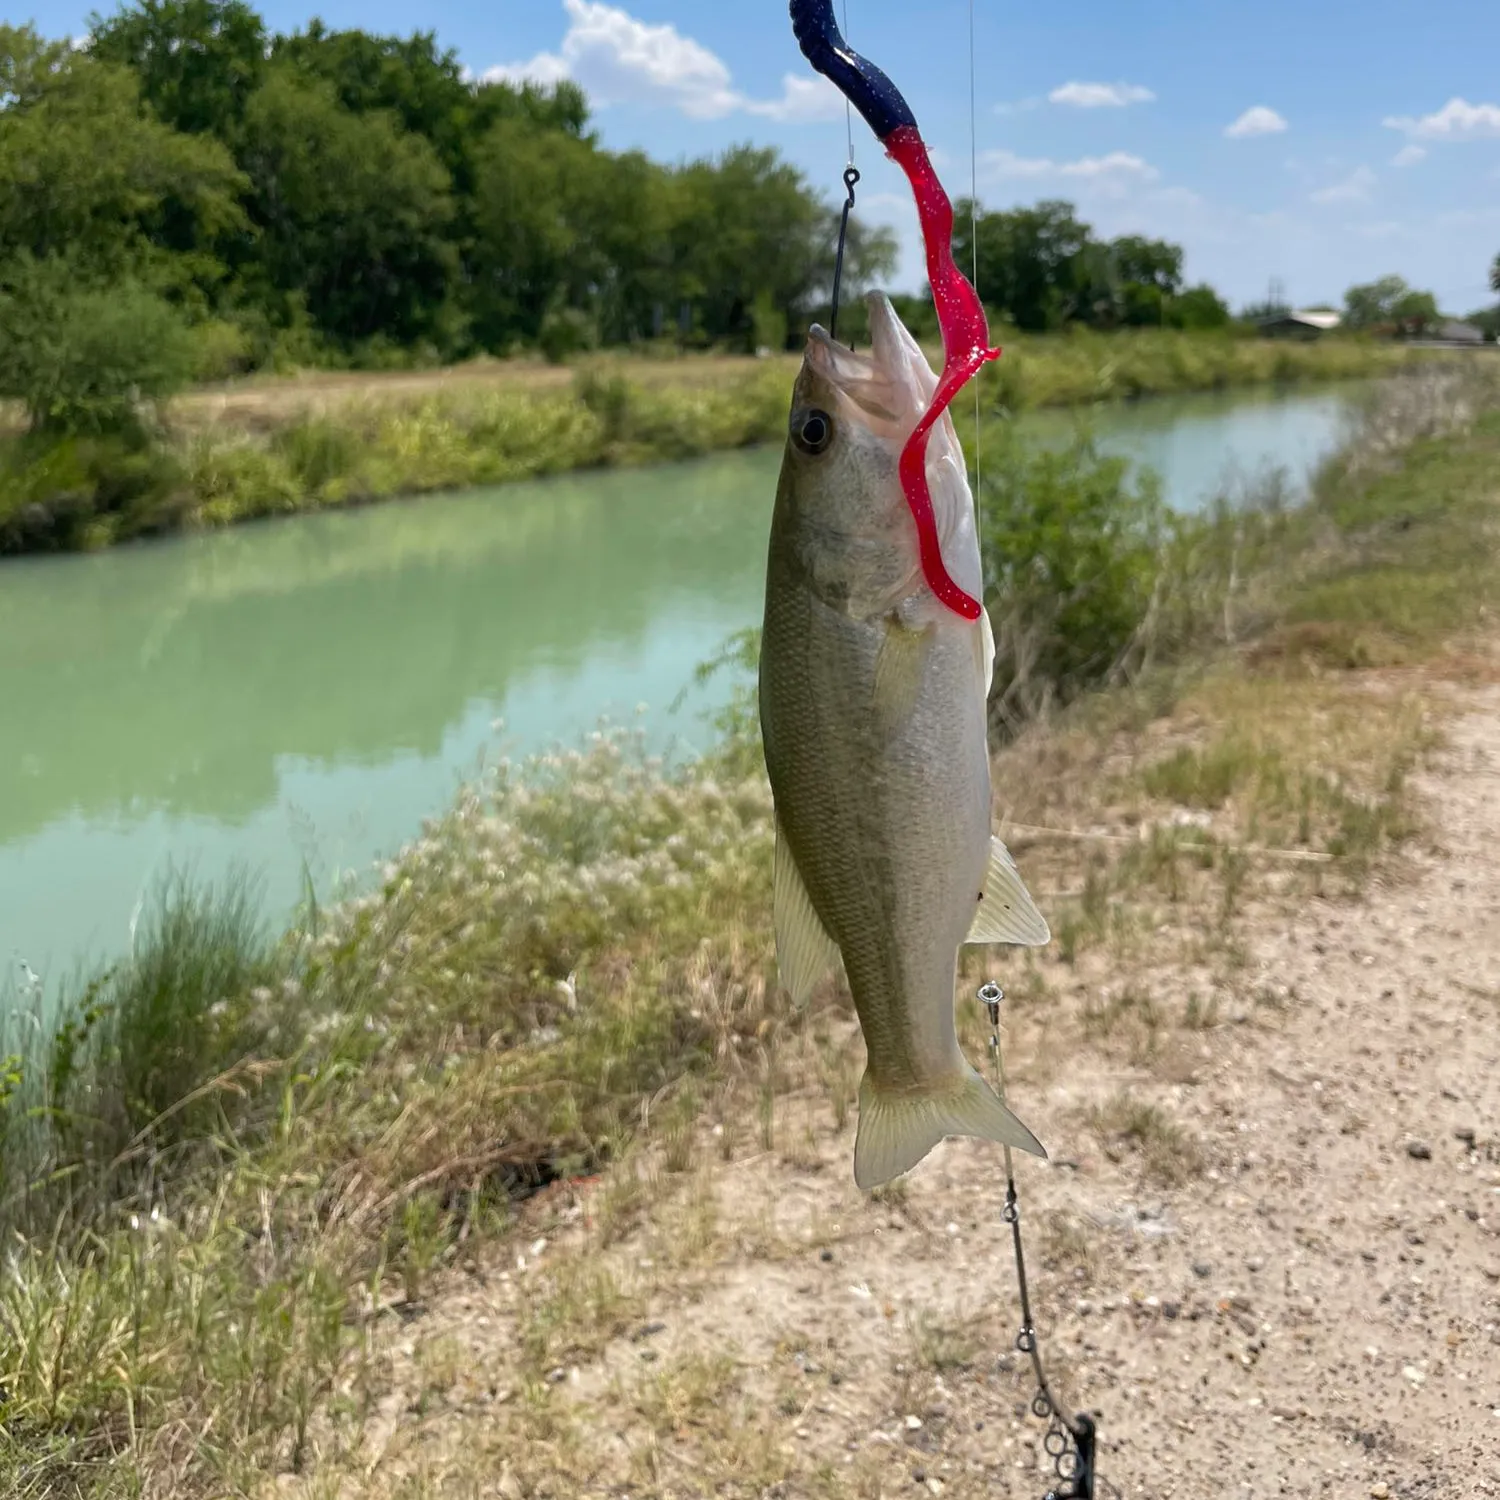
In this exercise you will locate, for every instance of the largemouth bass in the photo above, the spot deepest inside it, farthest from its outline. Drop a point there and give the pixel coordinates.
(872, 705)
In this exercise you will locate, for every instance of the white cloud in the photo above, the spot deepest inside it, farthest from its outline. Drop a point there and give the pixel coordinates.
(802, 99)
(1409, 156)
(1355, 188)
(621, 60)
(1118, 164)
(1101, 95)
(1457, 120)
(545, 69)
(1177, 197)
(1258, 120)
(1018, 106)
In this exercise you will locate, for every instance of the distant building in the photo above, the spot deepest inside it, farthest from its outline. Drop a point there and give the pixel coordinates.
(1451, 334)
(1299, 325)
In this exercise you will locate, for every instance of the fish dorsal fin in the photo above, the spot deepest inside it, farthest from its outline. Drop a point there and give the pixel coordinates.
(804, 951)
(1006, 912)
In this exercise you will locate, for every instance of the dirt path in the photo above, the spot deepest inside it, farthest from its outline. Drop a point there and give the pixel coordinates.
(1289, 1285)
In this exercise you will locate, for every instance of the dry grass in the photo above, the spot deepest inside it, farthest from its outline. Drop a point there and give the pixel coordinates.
(264, 402)
(1041, 371)
(1167, 1154)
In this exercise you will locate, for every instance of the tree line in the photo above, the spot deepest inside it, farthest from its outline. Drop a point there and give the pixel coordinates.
(335, 190)
(1045, 268)
(186, 192)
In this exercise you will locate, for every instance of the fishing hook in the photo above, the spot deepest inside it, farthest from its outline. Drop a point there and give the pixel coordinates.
(851, 177)
(966, 344)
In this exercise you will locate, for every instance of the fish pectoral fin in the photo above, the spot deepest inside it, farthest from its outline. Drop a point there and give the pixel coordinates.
(896, 1130)
(1006, 914)
(804, 951)
(898, 671)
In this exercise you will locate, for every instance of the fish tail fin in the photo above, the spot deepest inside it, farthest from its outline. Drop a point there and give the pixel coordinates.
(896, 1130)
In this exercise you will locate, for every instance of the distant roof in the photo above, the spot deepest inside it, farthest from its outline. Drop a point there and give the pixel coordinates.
(1455, 329)
(1323, 320)
(1311, 320)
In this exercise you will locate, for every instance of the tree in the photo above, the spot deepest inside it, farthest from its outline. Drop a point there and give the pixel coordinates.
(87, 172)
(197, 61)
(354, 213)
(1374, 302)
(528, 187)
(1495, 275)
(426, 89)
(82, 356)
(1198, 307)
(747, 229)
(1415, 312)
(1487, 320)
(1147, 262)
(1028, 261)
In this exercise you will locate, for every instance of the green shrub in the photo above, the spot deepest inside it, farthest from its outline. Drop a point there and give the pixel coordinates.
(84, 359)
(768, 323)
(129, 1071)
(567, 331)
(60, 491)
(220, 350)
(1073, 556)
(322, 454)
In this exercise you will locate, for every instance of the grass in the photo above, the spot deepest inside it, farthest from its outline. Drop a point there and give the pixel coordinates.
(89, 493)
(1168, 1155)
(1058, 370)
(1083, 366)
(242, 1157)
(277, 447)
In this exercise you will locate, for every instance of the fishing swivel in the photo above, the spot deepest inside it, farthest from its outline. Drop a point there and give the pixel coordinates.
(851, 177)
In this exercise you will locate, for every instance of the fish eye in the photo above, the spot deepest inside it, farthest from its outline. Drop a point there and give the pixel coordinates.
(812, 431)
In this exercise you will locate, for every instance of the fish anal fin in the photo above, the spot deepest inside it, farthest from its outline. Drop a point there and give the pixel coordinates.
(897, 1129)
(1006, 913)
(804, 951)
(898, 671)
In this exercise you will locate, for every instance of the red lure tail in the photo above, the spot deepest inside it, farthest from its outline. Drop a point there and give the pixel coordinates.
(966, 336)
(966, 347)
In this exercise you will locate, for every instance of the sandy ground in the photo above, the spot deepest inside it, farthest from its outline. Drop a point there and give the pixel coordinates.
(1312, 1308)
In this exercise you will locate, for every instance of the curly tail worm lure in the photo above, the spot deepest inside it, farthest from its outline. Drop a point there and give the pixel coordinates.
(966, 334)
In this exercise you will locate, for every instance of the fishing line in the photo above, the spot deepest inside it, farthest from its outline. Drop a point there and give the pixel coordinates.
(1069, 1443)
(848, 107)
(974, 278)
(851, 178)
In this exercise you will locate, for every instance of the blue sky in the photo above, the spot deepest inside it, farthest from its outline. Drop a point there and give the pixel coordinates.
(1322, 142)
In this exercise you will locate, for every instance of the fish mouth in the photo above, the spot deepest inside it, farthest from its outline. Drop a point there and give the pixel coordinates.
(888, 385)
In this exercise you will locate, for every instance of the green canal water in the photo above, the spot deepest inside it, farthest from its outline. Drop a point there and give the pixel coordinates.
(296, 697)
